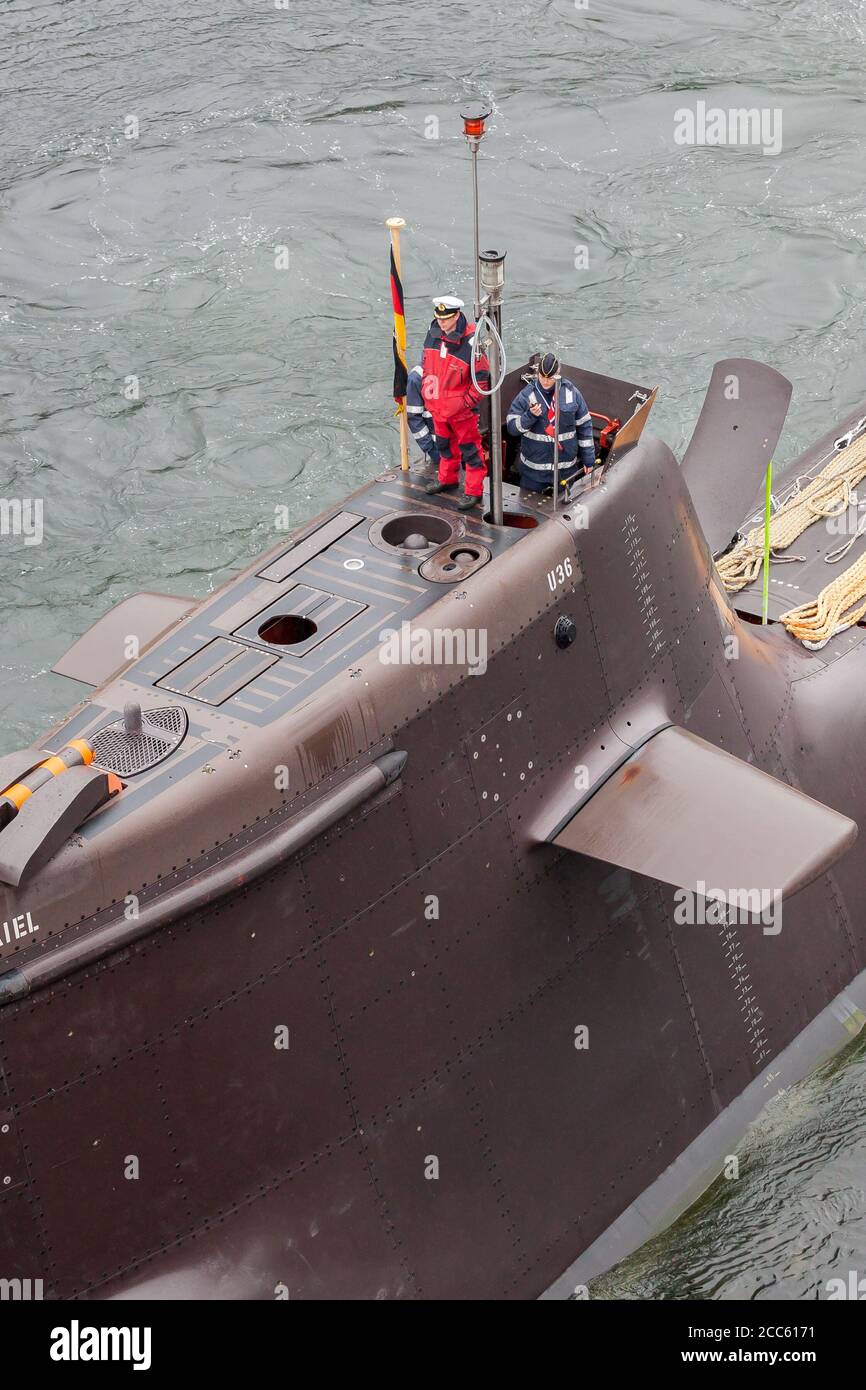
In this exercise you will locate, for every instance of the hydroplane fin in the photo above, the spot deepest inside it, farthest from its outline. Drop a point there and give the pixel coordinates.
(100, 652)
(687, 813)
(733, 441)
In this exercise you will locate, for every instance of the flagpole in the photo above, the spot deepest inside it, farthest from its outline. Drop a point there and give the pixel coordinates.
(395, 225)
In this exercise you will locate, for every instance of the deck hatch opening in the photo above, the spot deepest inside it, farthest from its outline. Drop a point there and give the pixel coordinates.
(303, 618)
(454, 562)
(287, 629)
(522, 521)
(435, 530)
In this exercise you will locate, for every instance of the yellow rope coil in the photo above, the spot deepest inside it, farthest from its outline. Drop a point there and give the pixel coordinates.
(839, 605)
(827, 495)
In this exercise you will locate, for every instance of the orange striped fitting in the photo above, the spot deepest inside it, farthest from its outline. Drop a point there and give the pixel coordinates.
(17, 794)
(83, 747)
(50, 767)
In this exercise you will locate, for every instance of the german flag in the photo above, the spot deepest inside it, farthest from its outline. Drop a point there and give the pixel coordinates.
(400, 373)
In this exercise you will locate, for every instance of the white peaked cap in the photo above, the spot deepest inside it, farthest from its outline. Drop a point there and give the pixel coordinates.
(447, 302)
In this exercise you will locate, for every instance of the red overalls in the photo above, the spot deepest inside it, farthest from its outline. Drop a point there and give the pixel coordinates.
(451, 398)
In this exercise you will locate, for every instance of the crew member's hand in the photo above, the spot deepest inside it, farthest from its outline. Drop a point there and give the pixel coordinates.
(535, 408)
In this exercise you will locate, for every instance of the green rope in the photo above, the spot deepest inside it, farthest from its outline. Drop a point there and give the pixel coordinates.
(767, 506)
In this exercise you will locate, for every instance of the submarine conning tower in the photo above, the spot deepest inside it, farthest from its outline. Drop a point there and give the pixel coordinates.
(561, 640)
(281, 681)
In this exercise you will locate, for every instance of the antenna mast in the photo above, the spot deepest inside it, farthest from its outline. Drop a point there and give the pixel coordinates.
(489, 275)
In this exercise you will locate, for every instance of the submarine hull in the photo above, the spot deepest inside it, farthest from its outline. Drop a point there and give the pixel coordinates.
(428, 1053)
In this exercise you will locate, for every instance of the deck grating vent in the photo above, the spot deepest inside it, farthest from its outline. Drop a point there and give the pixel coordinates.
(162, 730)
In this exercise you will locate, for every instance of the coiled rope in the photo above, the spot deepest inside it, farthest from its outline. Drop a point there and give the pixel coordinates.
(840, 604)
(828, 495)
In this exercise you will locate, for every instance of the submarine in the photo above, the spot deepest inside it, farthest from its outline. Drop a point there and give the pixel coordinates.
(457, 972)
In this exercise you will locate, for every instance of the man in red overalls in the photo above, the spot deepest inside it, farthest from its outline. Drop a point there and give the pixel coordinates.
(453, 399)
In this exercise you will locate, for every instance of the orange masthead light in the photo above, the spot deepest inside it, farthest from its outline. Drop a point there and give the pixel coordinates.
(473, 122)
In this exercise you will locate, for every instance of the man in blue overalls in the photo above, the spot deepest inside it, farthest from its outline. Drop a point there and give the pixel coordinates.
(420, 419)
(531, 416)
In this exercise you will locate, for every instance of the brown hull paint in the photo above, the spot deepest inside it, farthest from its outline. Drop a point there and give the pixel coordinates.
(420, 1035)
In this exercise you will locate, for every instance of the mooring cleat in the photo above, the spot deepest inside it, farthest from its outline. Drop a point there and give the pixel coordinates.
(467, 503)
(436, 486)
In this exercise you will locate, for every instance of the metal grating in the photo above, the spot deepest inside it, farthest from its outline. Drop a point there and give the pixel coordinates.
(162, 730)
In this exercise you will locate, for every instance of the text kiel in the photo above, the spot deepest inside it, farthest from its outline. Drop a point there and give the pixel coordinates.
(18, 928)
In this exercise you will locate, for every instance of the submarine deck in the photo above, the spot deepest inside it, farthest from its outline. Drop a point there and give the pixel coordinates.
(272, 637)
